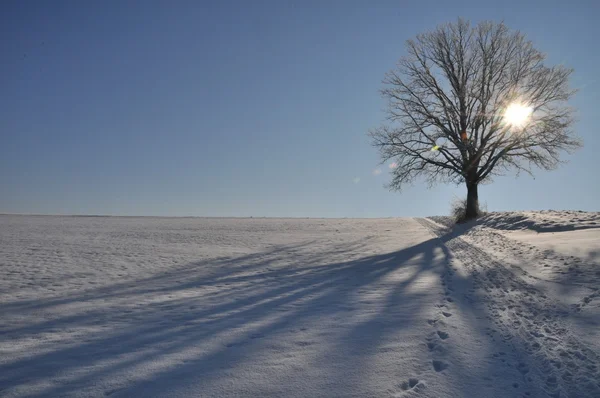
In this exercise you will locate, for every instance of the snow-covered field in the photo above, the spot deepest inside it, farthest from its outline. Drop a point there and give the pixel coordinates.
(180, 307)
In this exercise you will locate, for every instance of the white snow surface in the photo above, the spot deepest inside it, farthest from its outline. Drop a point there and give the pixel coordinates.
(508, 306)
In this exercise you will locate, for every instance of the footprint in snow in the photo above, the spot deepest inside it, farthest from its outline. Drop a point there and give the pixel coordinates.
(438, 366)
(443, 335)
(412, 382)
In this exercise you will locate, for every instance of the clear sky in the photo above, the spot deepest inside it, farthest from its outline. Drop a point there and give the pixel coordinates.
(247, 108)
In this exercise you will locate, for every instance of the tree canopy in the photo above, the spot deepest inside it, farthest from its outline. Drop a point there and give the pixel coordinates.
(470, 102)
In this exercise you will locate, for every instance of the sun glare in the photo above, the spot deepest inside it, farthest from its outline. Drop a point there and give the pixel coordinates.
(517, 115)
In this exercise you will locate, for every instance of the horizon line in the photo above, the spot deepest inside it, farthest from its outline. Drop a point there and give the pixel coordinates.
(220, 217)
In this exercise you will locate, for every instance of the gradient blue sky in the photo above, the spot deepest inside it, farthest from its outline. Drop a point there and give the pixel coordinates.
(245, 108)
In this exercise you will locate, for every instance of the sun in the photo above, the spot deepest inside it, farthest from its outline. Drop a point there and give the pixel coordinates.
(517, 115)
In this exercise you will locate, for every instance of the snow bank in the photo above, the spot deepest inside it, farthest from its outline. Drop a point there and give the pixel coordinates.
(542, 221)
(538, 221)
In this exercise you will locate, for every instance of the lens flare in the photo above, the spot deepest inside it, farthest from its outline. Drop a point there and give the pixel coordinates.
(393, 165)
(517, 115)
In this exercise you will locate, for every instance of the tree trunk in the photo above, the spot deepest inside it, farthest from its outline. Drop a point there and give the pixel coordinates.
(472, 201)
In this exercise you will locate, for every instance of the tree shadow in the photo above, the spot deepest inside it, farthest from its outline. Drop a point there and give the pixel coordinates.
(188, 322)
(286, 309)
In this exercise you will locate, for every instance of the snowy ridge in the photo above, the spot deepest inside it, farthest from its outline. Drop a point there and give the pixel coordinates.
(534, 297)
(539, 221)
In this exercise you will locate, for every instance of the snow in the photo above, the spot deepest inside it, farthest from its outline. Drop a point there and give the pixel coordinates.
(178, 307)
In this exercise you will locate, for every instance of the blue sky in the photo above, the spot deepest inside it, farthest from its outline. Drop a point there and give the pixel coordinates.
(242, 108)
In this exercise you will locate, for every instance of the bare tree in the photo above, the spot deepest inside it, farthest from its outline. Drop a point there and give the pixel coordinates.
(467, 103)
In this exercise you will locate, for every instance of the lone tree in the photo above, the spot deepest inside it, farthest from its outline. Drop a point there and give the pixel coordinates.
(467, 103)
